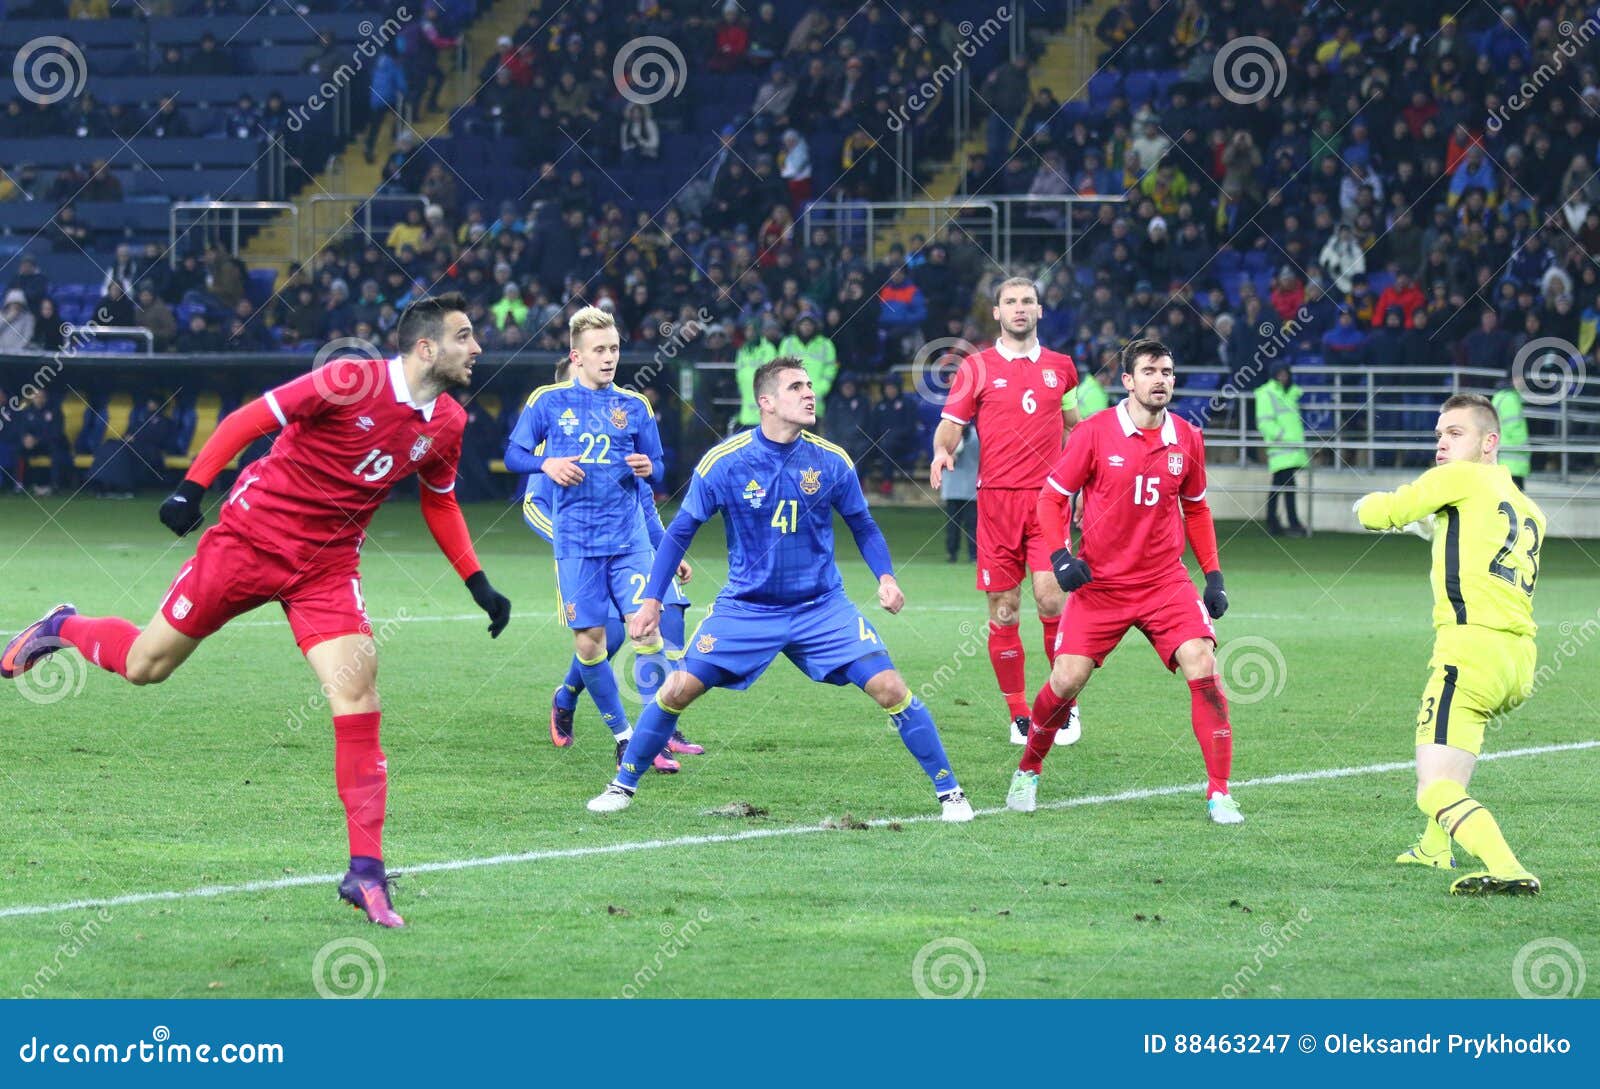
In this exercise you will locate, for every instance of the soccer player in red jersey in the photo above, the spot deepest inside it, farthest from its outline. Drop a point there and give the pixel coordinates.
(291, 530)
(1015, 392)
(1142, 474)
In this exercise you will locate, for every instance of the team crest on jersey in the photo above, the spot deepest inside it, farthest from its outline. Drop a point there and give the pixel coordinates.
(567, 421)
(619, 417)
(753, 494)
(1175, 463)
(181, 607)
(1050, 379)
(420, 448)
(811, 481)
(705, 643)
(572, 612)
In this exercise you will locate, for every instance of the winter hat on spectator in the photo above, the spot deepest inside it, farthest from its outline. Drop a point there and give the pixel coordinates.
(16, 296)
(433, 213)
(1157, 223)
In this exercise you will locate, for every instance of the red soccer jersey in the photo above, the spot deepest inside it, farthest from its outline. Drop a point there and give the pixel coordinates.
(350, 432)
(1017, 403)
(1132, 480)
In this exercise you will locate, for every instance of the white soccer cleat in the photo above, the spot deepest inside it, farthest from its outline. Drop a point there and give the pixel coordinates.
(1024, 793)
(614, 799)
(1019, 730)
(1072, 731)
(1222, 809)
(955, 809)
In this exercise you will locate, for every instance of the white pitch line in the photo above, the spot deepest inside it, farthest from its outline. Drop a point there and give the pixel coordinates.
(207, 891)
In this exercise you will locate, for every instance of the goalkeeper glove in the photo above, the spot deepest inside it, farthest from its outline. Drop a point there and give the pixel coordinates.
(1071, 572)
(491, 601)
(1215, 597)
(181, 512)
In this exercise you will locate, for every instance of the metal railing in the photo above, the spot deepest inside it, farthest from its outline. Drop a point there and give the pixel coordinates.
(361, 203)
(860, 221)
(221, 219)
(111, 332)
(1054, 219)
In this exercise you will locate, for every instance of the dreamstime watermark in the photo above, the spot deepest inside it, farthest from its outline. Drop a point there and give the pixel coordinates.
(317, 703)
(934, 366)
(1549, 968)
(75, 939)
(49, 69)
(373, 40)
(57, 677)
(648, 69)
(949, 968)
(1249, 69)
(1275, 940)
(1547, 370)
(1574, 637)
(973, 38)
(1278, 337)
(1541, 76)
(974, 641)
(74, 338)
(347, 385)
(674, 940)
(1252, 669)
(349, 968)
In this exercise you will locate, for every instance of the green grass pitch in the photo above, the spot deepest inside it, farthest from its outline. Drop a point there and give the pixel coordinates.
(223, 777)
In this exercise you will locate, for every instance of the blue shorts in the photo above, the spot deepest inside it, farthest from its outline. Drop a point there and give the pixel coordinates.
(592, 586)
(736, 641)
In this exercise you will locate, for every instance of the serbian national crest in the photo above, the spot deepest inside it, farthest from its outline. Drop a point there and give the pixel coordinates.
(421, 446)
(1175, 463)
(753, 494)
(1050, 379)
(811, 481)
(705, 643)
(619, 417)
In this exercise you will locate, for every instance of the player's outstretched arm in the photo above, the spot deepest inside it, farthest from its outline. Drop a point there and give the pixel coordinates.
(1431, 492)
(449, 528)
(181, 512)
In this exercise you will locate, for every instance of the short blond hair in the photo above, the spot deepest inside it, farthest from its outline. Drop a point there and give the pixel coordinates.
(1015, 281)
(586, 319)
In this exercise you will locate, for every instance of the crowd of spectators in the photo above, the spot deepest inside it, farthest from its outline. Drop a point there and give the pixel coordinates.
(1385, 207)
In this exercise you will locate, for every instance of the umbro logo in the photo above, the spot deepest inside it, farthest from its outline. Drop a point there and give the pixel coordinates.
(1116, 461)
(999, 383)
(365, 423)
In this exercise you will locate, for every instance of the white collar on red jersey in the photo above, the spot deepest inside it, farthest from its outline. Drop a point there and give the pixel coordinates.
(1031, 355)
(1169, 430)
(402, 392)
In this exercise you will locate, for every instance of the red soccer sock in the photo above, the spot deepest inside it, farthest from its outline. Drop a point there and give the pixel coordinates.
(1051, 624)
(362, 773)
(1208, 710)
(103, 640)
(1010, 667)
(1049, 715)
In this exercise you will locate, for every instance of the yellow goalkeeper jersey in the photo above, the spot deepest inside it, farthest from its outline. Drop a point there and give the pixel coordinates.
(1486, 538)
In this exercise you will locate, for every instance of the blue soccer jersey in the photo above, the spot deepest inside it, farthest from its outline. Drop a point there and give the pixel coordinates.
(777, 501)
(600, 515)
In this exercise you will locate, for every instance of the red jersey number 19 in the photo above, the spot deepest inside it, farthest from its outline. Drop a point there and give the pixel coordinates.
(379, 466)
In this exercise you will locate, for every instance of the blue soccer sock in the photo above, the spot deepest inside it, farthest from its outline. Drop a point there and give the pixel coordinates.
(571, 686)
(649, 738)
(915, 723)
(602, 688)
(650, 669)
(616, 635)
(672, 627)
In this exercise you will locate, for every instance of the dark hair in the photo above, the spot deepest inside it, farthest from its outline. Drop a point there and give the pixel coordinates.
(1479, 404)
(766, 376)
(424, 319)
(1138, 349)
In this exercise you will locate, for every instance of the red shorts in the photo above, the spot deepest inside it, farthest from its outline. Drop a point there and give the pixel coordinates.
(228, 576)
(1170, 614)
(1009, 541)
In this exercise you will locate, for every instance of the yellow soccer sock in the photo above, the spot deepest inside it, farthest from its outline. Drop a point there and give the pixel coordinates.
(1466, 820)
(1435, 840)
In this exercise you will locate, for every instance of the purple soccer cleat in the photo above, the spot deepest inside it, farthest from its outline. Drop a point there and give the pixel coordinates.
(367, 889)
(683, 746)
(34, 643)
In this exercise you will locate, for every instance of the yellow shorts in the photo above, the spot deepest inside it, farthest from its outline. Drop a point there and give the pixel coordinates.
(1477, 673)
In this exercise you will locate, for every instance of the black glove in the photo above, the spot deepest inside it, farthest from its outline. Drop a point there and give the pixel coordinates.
(1215, 597)
(1071, 572)
(181, 512)
(491, 601)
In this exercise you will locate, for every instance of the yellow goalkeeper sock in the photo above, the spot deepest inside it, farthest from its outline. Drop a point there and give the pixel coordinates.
(1469, 823)
(1435, 840)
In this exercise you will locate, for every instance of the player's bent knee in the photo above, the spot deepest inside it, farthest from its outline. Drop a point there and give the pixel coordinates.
(888, 689)
(678, 691)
